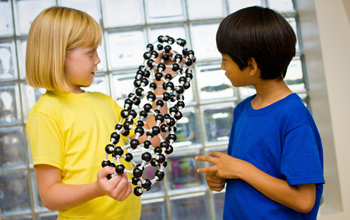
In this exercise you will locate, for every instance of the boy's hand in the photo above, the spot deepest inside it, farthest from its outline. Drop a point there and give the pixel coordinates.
(225, 166)
(214, 182)
(117, 187)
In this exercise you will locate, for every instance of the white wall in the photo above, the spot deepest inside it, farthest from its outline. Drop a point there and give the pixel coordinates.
(334, 33)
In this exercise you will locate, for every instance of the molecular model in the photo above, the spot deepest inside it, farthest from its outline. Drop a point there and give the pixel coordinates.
(133, 116)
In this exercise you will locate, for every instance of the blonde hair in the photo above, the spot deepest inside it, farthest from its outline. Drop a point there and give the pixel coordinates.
(54, 32)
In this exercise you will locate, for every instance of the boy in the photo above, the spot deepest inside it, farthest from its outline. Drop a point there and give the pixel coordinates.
(274, 163)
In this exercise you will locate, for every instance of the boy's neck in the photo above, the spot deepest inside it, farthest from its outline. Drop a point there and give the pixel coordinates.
(269, 92)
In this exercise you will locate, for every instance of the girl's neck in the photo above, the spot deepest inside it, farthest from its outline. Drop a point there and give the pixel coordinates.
(269, 92)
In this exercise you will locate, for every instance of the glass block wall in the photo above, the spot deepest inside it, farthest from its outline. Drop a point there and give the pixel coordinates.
(127, 27)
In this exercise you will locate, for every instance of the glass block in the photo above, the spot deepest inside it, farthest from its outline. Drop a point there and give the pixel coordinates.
(187, 132)
(246, 91)
(13, 155)
(281, 5)
(218, 121)
(30, 96)
(182, 171)
(6, 25)
(219, 200)
(14, 194)
(10, 112)
(26, 217)
(158, 11)
(118, 13)
(21, 51)
(100, 84)
(204, 41)
(208, 9)
(47, 216)
(8, 67)
(154, 209)
(102, 66)
(92, 7)
(190, 207)
(235, 5)
(174, 31)
(122, 85)
(125, 48)
(38, 205)
(213, 83)
(294, 77)
(293, 24)
(26, 11)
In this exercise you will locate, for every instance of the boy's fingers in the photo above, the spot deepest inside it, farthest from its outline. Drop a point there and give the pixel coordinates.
(216, 154)
(206, 158)
(207, 169)
(102, 173)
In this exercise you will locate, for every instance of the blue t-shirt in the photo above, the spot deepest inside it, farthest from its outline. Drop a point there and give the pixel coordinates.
(281, 140)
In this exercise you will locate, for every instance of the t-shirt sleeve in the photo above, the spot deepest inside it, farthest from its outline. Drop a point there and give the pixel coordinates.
(301, 157)
(45, 139)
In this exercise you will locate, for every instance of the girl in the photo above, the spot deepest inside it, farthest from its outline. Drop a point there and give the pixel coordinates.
(68, 127)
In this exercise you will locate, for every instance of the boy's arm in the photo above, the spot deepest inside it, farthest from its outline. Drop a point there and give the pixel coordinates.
(301, 198)
(58, 196)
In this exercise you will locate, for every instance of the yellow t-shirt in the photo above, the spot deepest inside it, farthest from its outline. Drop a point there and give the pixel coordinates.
(70, 132)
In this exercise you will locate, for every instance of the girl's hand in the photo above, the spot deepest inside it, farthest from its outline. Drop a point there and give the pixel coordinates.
(117, 187)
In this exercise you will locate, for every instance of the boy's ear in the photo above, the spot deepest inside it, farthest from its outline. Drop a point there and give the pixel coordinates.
(253, 66)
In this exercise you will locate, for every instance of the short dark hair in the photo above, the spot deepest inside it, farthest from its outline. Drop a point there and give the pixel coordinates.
(259, 33)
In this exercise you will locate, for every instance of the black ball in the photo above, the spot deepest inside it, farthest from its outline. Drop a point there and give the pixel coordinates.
(171, 40)
(154, 162)
(128, 104)
(139, 91)
(109, 148)
(106, 163)
(120, 169)
(133, 113)
(178, 116)
(161, 67)
(128, 157)
(134, 143)
(152, 85)
(149, 47)
(180, 90)
(118, 151)
(158, 76)
(160, 38)
(178, 57)
(127, 125)
(139, 130)
(116, 137)
(160, 103)
(140, 123)
(187, 85)
(166, 96)
(180, 105)
(147, 73)
(124, 113)
(165, 57)
(126, 133)
(137, 172)
(157, 150)
(167, 49)
(147, 144)
(150, 63)
(137, 83)
(188, 62)
(147, 107)
(175, 67)
(146, 156)
(144, 82)
(170, 85)
(168, 76)
(138, 191)
(159, 174)
(159, 117)
(154, 54)
(181, 42)
(137, 101)
(147, 184)
(151, 97)
(118, 126)
(164, 128)
(169, 150)
(171, 137)
(185, 52)
(160, 47)
(161, 158)
(147, 55)
(164, 144)
(155, 130)
(135, 180)
(143, 114)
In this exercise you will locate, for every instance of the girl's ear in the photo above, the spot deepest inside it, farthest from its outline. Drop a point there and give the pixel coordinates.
(253, 67)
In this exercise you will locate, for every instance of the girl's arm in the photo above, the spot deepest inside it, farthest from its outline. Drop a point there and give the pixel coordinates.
(301, 198)
(58, 196)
